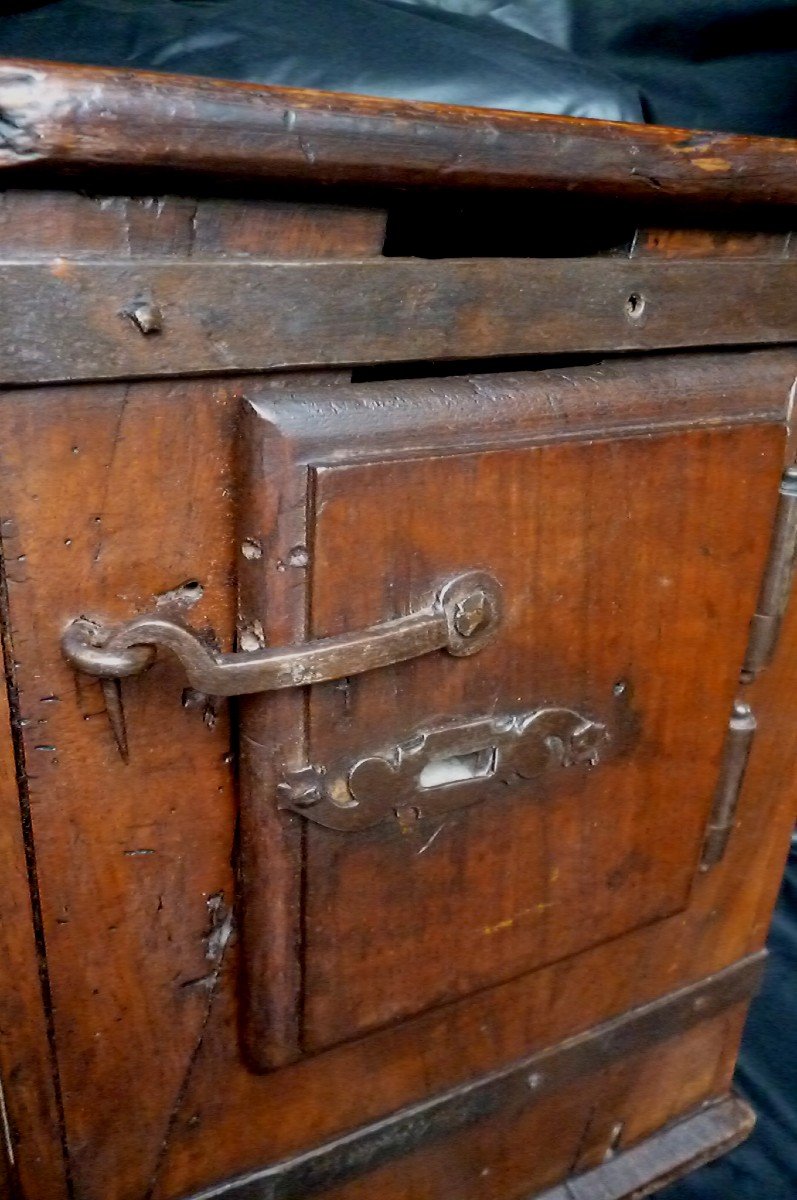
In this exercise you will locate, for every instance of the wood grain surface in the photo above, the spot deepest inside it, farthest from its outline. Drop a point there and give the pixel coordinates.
(119, 496)
(67, 116)
(74, 319)
(196, 1113)
(607, 588)
(425, 516)
(33, 1128)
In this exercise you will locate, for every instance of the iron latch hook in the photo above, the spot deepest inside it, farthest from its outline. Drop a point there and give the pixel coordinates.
(463, 616)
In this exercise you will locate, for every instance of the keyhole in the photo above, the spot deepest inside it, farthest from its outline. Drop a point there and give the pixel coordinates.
(635, 306)
(458, 768)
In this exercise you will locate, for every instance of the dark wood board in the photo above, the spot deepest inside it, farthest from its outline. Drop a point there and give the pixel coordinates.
(411, 529)
(664, 1157)
(504, 1093)
(45, 223)
(67, 320)
(594, 1120)
(67, 116)
(131, 1135)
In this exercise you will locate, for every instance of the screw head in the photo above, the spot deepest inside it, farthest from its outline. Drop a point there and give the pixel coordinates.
(471, 605)
(472, 614)
(146, 317)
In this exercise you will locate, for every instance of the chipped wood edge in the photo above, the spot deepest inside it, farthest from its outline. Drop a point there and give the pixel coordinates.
(73, 116)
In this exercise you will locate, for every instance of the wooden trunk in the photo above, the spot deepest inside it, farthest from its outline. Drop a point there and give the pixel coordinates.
(397, 759)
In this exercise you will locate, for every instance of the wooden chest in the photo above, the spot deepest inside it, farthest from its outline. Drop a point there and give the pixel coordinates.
(398, 518)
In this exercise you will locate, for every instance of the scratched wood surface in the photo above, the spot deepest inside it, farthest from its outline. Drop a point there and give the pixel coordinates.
(729, 915)
(197, 1113)
(135, 862)
(251, 316)
(364, 922)
(574, 1131)
(122, 881)
(612, 610)
(111, 448)
(76, 116)
(28, 1074)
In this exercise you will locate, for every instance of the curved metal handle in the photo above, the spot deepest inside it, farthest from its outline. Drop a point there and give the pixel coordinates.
(462, 618)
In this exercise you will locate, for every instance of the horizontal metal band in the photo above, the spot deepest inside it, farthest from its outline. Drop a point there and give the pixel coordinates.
(105, 320)
(509, 1089)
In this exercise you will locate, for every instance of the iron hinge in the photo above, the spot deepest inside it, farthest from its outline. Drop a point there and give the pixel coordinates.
(776, 586)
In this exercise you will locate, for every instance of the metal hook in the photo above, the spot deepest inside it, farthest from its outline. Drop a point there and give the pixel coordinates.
(462, 618)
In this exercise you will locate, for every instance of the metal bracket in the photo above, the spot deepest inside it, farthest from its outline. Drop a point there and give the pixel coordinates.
(776, 585)
(450, 767)
(462, 618)
(735, 753)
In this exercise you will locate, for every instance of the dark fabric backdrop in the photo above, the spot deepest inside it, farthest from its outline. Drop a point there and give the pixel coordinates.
(374, 47)
(708, 64)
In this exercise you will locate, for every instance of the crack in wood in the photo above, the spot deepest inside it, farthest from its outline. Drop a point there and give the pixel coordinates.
(23, 790)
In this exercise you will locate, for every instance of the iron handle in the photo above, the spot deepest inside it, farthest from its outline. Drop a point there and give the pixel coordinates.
(462, 617)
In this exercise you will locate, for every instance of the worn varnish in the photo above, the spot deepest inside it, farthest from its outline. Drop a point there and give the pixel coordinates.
(495, 884)
(64, 116)
(504, 1095)
(210, 987)
(210, 317)
(155, 718)
(97, 426)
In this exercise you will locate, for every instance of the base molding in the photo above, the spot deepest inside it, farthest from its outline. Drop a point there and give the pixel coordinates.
(663, 1157)
(527, 1081)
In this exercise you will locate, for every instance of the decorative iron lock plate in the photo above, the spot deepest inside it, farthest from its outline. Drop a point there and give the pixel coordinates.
(452, 766)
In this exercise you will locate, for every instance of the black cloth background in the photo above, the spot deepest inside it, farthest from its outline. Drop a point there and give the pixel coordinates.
(374, 47)
(717, 64)
(706, 64)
